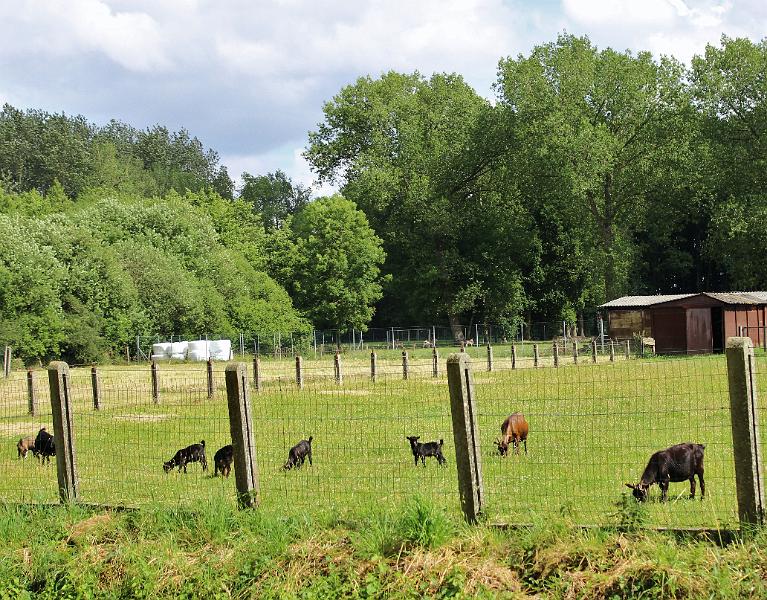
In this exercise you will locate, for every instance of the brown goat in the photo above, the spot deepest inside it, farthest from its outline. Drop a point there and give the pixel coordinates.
(514, 430)
(26, 444)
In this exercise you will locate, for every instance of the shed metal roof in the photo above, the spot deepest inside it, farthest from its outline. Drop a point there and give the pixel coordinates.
(724, 297)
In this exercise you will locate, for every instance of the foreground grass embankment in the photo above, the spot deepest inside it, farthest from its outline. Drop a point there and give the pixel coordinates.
(414, 551)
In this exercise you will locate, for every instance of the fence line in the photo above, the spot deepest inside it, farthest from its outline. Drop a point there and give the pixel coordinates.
(592, 429)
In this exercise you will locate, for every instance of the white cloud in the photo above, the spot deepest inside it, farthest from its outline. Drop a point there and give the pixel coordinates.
(62, 28)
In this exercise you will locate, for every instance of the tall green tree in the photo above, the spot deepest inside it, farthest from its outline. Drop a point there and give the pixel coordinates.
(336, 279)
(598, 131)
(414, 155)
(273, 196)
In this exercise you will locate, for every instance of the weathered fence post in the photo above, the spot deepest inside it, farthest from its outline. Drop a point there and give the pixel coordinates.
(7, 361)
(594, 351)
(555, 350)
(373, 365)
(575, 353)
(513, 356)
(339, 376)
(744, 416)
(628, 349)
(257, 372)
(434, 362)
(96, 388)
(63, 431)
(299, 372)
(243, 442)
(612, 351)
(536, 355)
(155, 383)
(405, 365)
(489, 357)
(465, 435)
(209, 370)
(31, 393)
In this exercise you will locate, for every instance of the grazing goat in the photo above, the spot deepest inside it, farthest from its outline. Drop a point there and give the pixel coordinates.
(298, 454)
(470, 342)
(25, 445)
(45, 446)
(222, 460)
(426, 344)
(427, 449)
(190, 454)
(514, 429)
(677, 463)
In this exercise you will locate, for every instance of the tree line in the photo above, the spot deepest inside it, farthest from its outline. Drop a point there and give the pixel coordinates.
(590, 174)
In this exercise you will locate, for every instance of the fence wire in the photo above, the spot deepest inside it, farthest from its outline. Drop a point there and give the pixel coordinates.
(592, 427)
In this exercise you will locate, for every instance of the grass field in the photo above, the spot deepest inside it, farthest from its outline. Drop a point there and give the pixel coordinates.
(592, 428)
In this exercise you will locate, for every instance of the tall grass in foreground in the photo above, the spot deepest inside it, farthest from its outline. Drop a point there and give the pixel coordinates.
(415, 550)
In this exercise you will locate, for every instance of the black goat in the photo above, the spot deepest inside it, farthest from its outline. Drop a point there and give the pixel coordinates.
(426, 449)
(190, 454)
(298, 454)
(45, 446)
(677, 463)
(222, 460)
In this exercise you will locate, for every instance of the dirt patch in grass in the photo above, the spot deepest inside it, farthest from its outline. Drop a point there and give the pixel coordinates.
(21, 428)
(142, 418)
(344, 392)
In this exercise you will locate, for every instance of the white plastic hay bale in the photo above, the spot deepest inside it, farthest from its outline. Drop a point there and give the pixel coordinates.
(161, 351)
(220, 349)
(178, 350)
(198, 350)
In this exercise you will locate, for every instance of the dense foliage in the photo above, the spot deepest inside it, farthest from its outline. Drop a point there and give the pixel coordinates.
(595, 173)
(592, 173)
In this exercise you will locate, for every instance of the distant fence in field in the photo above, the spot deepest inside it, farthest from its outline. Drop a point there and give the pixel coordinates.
(595, 418)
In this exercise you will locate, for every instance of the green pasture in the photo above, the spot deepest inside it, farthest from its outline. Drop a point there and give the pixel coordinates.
(592, 428)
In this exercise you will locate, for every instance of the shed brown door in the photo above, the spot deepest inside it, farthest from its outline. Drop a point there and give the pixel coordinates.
(669, 326)
(699, 335)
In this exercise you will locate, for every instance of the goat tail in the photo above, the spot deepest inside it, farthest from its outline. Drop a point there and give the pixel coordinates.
(202, 443)
(310, 439)
(441, 441)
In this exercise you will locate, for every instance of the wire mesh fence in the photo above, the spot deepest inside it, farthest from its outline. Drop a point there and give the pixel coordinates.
(592, 428)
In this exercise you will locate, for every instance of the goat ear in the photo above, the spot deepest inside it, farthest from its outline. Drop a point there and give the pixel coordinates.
(631, 485)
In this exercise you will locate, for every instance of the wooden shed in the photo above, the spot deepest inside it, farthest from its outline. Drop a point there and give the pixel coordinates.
(689, 323)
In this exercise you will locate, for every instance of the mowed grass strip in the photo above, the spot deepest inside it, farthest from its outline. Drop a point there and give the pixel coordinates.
(592, 429)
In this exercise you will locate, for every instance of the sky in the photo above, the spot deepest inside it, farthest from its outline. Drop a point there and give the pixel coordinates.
(249, 77)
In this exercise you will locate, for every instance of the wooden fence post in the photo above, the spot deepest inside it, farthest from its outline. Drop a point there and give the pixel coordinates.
(373, 365)
(744, 415)
(612, 351)
(63, 430)
(513, 356)
(7, 361)
(465, 435)
(594, 351)
(489, 357)
(31, 392)
(337, 368)
(96, 388)
(243, 442)
(155, 383)
(257, 372)
(434, 362)
(555, 350)
(405, 365)
(628, 349)
(299, 372)
(575, 353)
(536, 355)
(209, 370)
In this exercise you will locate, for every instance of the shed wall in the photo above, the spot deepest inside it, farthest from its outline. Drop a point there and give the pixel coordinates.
(669, 328)
(699, 334)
